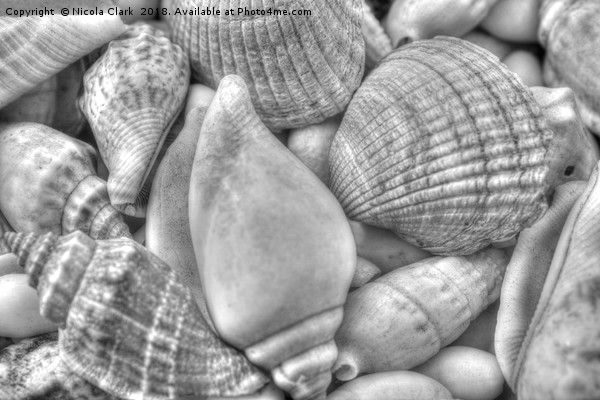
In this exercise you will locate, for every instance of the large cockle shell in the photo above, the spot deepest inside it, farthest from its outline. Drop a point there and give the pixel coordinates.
(403, 318)
(570, 33)
(300, 69)
(558, 358)
(443, 145)
(275, 269)
(133, 94)
(32, 49)
(128, 325)
(48, 183)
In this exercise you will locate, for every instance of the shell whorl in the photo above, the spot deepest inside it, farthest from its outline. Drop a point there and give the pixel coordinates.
(445, 146)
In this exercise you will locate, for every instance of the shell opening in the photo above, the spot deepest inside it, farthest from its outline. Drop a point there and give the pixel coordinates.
(345, 369)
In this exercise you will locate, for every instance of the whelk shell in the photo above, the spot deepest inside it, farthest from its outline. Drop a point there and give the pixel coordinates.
(132, 96)
(127, 324)
(299, 70)
(443, 145)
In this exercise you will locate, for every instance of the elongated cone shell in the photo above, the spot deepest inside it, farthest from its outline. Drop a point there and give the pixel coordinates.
(48, 183)
(404, 317)
(570, 33)
(299, 70)
(275, 252)
(128, 325)
(559, 355)
(525, 277)
(132, 95)
(34, 48)
(443, 145)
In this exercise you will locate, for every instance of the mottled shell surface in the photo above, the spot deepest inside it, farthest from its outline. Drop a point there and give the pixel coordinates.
(570, 33)
(48, 183)
(132, 95)
(443, 145)
(35, 48)
(299, 70)
(559, 355)
(128, 325)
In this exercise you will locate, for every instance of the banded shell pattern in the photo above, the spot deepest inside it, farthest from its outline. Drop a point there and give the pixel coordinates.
(128, 325)
(445, 146)
(299, 70)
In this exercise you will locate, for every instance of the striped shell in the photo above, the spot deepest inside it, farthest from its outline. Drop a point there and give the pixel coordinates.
(132, 95)
(445, 146)
(299, 70)
(128, 326)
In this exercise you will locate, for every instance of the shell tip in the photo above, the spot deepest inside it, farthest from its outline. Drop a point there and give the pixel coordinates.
(345, 368)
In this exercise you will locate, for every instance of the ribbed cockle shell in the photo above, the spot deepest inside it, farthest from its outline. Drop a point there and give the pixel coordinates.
(133, 94)
(32, 49)
(300, 69)
(443, 145)
(48, 183)
(128, 325)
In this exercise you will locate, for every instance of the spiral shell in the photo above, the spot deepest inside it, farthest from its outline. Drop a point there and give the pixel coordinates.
(132, 95)
(299, 70)
(128, 325)
(48, 183)
(443, 145)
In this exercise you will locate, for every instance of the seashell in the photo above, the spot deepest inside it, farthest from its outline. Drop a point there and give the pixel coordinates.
(444, 146)
(409, 20)
(513, 20)
(34, 49)
(377, 43)
(127, 324)
(167, 217)
(49, 184)
(480, 333)
(32, 369)
(275, 269)
(496, 46)
(525, 277)
(132, 96)
(299, 70)
(406, 316)
(391, 385)
(558, 355)
(570, 33)
(365, 272)
(526, 65)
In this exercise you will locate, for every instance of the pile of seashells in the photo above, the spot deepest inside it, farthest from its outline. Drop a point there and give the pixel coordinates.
(382, 200)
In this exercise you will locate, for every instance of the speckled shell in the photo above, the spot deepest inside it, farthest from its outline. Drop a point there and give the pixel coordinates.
(443, 145)
(132, 95)
(48, 183)
(404, 317)
(570, 33)
(32, 49)
(128, 325)
(299, 70)
(559, 355)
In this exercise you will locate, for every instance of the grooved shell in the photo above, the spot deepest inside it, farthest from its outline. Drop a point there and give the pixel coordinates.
(299, 70)
(445, 146)
(133, 94)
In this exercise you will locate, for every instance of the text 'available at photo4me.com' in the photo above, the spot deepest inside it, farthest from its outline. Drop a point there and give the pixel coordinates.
(13, 9)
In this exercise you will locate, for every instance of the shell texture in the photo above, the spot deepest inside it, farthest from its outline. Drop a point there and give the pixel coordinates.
(570, 33)
(132, 96)
(128, 325)
(377, 43)
(299, 70)
(48, 183)
(445, 146)
(34, 49)
(404, 317)
(559, 355)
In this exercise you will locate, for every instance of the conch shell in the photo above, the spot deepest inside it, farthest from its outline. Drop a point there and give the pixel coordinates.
(128, 326)
(275, 268)
(48, 183)
(403, 318)
(33, 49)
(570, 33)
(132, 95)
(443, 145)
(558, 358)
(300, 69)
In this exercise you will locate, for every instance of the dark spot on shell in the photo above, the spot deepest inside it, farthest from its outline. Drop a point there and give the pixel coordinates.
(569, 170)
